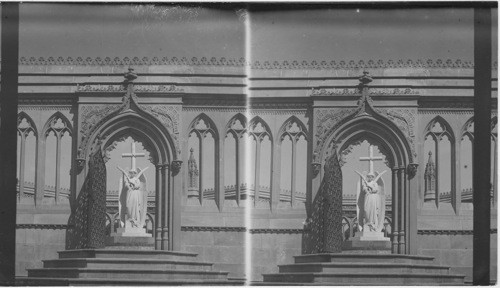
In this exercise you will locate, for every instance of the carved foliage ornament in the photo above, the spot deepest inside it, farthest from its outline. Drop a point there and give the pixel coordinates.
(168, 115)
(404, 118)
(328, 119)
(122, 88)
(92, 116)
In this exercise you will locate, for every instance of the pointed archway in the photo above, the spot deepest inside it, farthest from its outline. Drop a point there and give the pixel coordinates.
(367, 122)
(129, 119)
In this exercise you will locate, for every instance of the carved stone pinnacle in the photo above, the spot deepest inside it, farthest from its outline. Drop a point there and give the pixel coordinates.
(365, 79)
(130, 76)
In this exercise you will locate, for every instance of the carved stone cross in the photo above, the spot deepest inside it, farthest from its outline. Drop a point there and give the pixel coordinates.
(133, 156)
(371, 158)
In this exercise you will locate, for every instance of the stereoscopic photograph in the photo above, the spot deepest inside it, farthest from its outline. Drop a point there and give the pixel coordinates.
(264, 144)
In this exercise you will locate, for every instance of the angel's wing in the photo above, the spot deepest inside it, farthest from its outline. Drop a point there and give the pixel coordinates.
(141, 171)
(379, 175)
(124, 173)
(362, 177)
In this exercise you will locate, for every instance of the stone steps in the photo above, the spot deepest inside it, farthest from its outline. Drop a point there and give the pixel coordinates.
(127, 267)
(364, 258)
(365, 278)
(122, 273)
(45, 281)
(129, 263)
(367, 268)
(126, 253)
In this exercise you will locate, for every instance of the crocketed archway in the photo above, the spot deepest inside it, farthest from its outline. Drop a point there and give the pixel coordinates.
(391, 142)
(157, 140)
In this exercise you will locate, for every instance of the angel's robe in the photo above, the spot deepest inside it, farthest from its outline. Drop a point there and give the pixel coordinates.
(372, 204)
(134, 201)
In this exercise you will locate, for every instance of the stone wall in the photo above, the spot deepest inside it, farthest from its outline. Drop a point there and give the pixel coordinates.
(41, 232)
(271, 250)
(456, 251)
(226, 249)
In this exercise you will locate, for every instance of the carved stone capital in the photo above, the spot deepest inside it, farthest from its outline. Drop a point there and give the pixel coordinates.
(412, 170)
(176, 167)
(315, 169)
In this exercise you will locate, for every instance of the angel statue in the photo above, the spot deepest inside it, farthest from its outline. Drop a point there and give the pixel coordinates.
(133, 198)
(371, 202)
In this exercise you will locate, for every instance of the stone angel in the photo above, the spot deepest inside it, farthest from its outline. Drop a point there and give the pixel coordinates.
(371, 202)
(133, 198)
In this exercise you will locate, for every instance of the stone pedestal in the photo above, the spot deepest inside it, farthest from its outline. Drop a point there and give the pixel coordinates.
(368, 240)
(133, 237)
(131, 232)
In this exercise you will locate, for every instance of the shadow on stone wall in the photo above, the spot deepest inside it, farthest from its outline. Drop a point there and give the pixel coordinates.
(323, 227)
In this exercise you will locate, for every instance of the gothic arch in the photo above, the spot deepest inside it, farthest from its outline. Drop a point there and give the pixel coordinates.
(383, 133)
(57, 115)
(253, 123)
(133, 121)
(212, 128)
(465, 131)
(141, 125)
(243, 121)
(59, 131)
(287, 123)
(391, 141)
(22, 115)
(201, 133)
(446, 126)
(23, 133)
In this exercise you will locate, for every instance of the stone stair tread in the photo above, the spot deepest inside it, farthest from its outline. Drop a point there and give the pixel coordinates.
(368, 264)
(130, 251)
(341, 284)
(82, 269)
(369, 255)
(139, 282)
(368, 274)
(129, 260)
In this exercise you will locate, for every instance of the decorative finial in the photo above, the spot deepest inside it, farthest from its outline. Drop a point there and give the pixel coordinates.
(130, 76)
(365, 79)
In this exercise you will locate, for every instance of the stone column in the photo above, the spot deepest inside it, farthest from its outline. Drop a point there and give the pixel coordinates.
(257, 171)
(40, 170)
(220, 189)
(437, 198)
(58, 165)
(401, 210)
(165, 183)
(22, 161)
(412, 214)
(174, 207)
(158, 205)
(395, 208)
(200, 182)
(276, 177)
(238, 178)
(456, 201)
